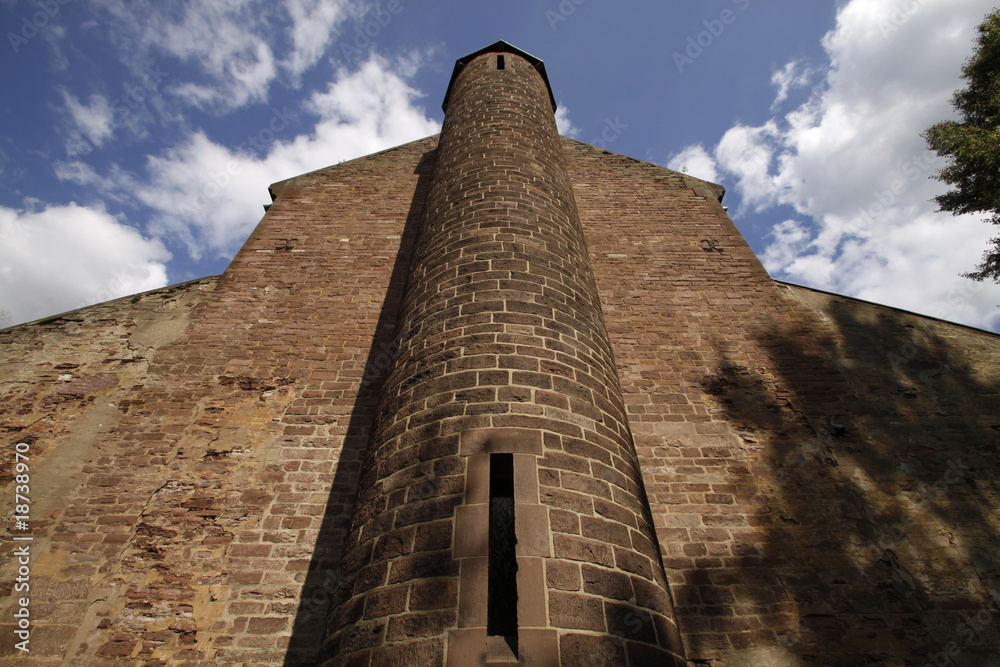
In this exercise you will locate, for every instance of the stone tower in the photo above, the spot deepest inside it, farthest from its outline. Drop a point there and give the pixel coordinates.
(501, 464)
(498, 397)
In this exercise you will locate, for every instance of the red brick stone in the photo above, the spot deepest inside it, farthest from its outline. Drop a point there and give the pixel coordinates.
(573, 611)
(781, 432)
(580, 649)
(433, 594)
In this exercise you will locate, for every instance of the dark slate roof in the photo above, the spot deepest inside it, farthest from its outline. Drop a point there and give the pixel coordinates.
(500, 47)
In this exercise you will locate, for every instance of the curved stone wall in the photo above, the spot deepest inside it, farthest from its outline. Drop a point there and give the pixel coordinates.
(502, 350)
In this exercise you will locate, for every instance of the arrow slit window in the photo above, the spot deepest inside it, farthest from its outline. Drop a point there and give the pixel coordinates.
(501, 612)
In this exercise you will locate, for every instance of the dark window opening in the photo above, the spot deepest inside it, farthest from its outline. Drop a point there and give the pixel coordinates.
(500, 63)
(501, 615)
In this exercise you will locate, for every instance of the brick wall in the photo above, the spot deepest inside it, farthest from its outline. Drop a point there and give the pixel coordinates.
(502, 350)
(213, 468)
(821, 472)
(817, 466)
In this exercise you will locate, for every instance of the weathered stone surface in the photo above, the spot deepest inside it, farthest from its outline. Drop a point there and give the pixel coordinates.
(195, 487)
(818, 467)
(821, 472)
(501, 335)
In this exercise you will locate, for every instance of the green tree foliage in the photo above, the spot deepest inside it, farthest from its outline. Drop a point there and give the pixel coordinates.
(973, 144)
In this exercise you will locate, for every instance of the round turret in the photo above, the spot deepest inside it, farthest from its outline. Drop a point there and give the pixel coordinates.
(501, 516)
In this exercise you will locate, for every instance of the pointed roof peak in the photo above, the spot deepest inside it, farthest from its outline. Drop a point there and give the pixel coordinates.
(499, 47)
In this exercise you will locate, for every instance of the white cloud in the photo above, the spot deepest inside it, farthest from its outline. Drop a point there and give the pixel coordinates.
(91, 122)
(77, 172)
(210, 195)
(564, 124)
(230, 44)
(791, 239)
(313, 28)
(747, 154)
(220, 39)
(792, 75)
(696, 161)
(852, 165)
(64, 257)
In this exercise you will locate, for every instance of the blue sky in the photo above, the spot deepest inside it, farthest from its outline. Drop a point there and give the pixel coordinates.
(138, 139)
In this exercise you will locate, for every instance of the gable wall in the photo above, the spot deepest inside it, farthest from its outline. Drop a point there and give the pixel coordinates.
(202, 464)
(820, 469)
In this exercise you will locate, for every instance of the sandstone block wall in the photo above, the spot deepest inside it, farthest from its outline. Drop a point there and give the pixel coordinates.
(209, 436)
(502, 349)
(821, 472)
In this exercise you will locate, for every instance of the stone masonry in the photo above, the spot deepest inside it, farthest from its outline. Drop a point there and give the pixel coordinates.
(501, 349)
(293, 462)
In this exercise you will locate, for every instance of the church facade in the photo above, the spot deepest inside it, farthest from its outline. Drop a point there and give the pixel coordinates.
(498, 397)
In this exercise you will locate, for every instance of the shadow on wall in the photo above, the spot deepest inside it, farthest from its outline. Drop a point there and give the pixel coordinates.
(873, 450)
(324, 574)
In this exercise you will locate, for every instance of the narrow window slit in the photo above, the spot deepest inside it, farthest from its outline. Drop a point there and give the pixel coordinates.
(501, 615)
(500, 62)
